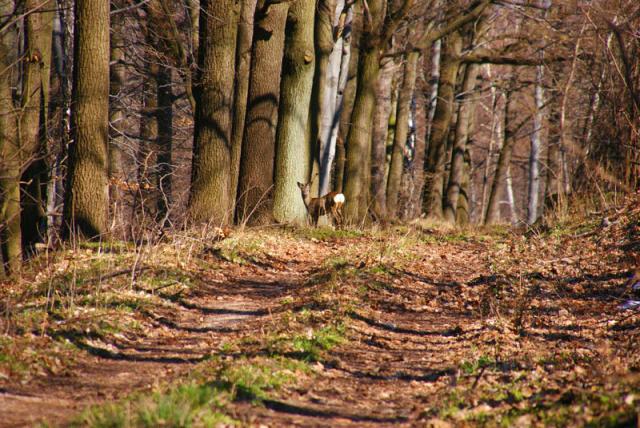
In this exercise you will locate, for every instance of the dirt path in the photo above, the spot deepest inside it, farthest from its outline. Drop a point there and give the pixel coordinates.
(441, 337)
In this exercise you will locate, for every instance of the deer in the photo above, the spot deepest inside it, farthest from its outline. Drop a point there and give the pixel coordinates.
(330, 204)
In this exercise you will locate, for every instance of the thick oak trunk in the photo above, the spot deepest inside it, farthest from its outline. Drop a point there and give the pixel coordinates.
(293, 146)
(210, 200)
(87, 194)
(255, 186)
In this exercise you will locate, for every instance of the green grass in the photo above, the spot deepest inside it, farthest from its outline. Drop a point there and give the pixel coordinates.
(473, 367)
(187, 405)
(310, 347)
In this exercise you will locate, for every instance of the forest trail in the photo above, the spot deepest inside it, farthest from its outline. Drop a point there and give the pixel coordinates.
(434, 329)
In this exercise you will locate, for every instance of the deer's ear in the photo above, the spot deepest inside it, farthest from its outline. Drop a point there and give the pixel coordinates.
(300, 185)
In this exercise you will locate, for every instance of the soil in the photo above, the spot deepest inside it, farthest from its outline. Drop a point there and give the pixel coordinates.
(542, 312)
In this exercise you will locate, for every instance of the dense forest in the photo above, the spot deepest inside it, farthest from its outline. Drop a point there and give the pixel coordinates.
(127, 121)
(319, 213)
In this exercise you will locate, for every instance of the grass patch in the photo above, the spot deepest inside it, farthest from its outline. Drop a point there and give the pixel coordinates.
(181, 406)
(327, 233)
(309, 347)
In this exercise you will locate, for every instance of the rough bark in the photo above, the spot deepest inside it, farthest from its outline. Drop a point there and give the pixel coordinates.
(384, 90)
(358, 144)
(402, 133)
(209, 200)
(465, 110)
(417, 165)
(117, 77)
(292, 144)
(451, 49)
(243, 68)
(87, 194)
(255, 186)
(33, 122)
(10, 239)
(502, 169)
(463, 210)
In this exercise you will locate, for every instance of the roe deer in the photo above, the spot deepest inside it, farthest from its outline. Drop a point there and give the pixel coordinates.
(330, 204)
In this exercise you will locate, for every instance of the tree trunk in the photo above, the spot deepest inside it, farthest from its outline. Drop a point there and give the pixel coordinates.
(417, 164)
(33, 122)
(164, 143)
(322, 103)
(292, 145)
(117, 77)
(10, 239)
(511, 198)
(210, 201)
(345, 42)
(502, 170)
(463, 210)
(358, 145)
(348, 98)
(465, 110)
(87, 194)
(384, 90)
(553, 186)
(333, 98)
(534, 154)
(402, 133)
(143, 202)
(255, 186)
(243, 68)
(452, 47)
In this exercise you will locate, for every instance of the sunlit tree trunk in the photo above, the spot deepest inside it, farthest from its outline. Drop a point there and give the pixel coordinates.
(358, 144)
(33, 121)
(417, 164)
(255, 186)
(10, 238)
(402, 132)
(322, 101)
(210, 200)
(117, 77)
(348, 98)
(461, 137)
(384, 90)
(292, 144)
(452, 47)
(502, 169)
(87, 193)
(243, 69)
(534, 154)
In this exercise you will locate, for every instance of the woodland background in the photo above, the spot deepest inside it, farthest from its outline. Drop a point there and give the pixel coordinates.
(156, 267)
(123, 119)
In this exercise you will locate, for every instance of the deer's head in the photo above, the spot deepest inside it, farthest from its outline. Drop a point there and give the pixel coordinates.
(305, 189)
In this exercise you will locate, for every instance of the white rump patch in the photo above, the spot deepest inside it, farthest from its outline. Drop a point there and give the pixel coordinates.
(339, 198)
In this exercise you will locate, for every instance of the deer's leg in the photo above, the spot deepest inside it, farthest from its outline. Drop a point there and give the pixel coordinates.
(339, 216)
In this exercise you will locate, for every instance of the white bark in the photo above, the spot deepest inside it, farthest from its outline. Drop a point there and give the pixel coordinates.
(433, 80)
(534, 155)
(331, 116)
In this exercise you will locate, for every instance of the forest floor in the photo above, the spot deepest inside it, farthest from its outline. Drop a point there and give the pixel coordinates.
(407, 326)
